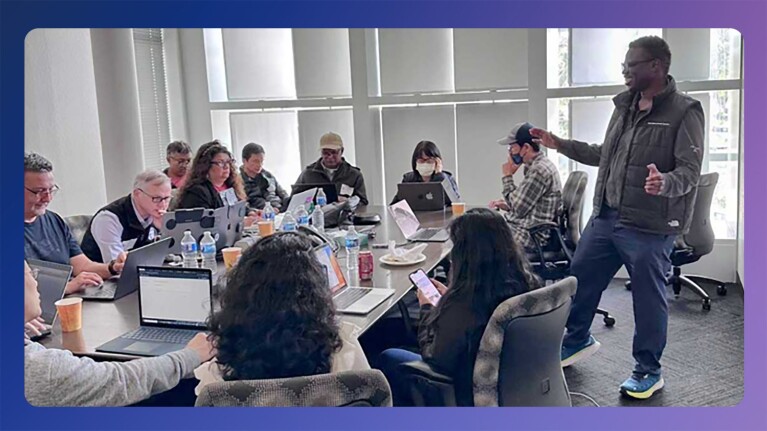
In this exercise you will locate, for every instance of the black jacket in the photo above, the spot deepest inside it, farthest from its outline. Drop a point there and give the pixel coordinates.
(415, 177)
(200, 196)
(670, 135)
(262, 188)
(132, 228)
(346, 174)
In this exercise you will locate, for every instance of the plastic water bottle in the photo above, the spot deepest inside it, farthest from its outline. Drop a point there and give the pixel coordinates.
(268, 213)
(302, 216)
(318, 219)
(189, 250)
(352, 249)
(288, 223)
(322, 199)
(208, 250)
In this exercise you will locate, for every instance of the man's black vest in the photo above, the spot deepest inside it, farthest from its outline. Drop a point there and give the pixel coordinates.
(132, 228)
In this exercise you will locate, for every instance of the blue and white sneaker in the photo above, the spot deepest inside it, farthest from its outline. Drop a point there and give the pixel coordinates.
(641, 386)
(571, 355)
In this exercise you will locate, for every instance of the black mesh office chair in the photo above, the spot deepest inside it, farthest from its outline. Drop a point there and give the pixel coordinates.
(551, 261)
(696, 243)
(519, 358)
(78, 225)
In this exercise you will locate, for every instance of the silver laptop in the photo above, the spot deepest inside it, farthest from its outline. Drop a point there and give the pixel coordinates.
(348, 299)
(422, 196)
(149, 255)
(225, 224)
(410, 226)
(174, 305)
(52, 279)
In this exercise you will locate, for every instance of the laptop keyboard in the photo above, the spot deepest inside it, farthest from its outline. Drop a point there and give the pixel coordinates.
(349, 296)
(426, 233)
(165, 335)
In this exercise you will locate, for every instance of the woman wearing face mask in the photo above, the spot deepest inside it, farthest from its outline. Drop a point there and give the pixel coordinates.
(427, 167)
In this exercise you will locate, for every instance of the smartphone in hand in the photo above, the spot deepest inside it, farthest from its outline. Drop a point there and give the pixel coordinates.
(427, 288)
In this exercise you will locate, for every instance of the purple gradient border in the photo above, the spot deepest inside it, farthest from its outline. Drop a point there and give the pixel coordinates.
(17, 18)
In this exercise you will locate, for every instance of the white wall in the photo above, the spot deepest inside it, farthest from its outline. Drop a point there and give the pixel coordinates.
(61, 115)
(741, 196)
(118, 101)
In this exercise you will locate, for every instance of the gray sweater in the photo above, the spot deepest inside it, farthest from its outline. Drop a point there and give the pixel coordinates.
(55, 377)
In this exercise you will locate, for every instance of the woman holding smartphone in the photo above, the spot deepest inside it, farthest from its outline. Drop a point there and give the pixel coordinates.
(487, 268)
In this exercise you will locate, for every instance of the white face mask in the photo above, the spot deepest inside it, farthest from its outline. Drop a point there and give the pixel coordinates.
(424, 169)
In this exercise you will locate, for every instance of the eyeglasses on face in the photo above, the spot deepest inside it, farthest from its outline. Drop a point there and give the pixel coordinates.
(181, 162)
(156, 199)
(633, 64)
(41, 192)
(223, 164)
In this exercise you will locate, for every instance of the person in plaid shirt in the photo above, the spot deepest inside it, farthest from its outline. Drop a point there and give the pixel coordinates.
(539, 197)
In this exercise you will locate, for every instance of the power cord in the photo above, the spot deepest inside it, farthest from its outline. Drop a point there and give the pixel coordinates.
(596, 404)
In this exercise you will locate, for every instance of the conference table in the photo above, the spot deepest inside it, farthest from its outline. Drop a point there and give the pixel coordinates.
(104, 321)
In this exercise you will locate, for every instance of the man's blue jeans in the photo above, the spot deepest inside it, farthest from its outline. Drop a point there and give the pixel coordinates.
(603, 248)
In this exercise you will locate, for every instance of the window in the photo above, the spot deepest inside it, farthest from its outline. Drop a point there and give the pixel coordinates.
(153, 95)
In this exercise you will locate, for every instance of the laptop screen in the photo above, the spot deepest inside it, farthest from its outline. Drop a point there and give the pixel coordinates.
(174, 296)
(405, 218)
(326, 257)
(52, 279)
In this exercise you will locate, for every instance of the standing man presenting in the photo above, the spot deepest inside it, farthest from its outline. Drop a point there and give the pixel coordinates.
(649, 166)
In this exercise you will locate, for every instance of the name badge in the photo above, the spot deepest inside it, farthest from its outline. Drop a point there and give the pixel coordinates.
(228, 196)
(346, 190)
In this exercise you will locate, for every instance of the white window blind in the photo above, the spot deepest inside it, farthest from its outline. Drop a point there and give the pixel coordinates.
(153, 95)
(259, 63)
(416, 60)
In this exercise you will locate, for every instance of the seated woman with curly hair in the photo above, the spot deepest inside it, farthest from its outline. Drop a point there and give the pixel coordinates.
(277, 318)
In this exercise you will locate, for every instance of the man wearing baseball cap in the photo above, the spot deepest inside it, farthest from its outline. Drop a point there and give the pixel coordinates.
(333, 168)
(538, 197)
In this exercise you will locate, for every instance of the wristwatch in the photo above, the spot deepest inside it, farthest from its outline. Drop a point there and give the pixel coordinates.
(111, 267)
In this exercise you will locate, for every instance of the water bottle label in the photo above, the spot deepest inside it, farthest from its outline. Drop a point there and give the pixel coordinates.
(288, 227)
(209, 248)
(351, 243)
(189, 248)
(322, 202)
(303, 220)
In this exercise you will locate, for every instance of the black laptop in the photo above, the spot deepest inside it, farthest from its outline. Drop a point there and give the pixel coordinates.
(174, 305)
(149, 255)
(52, 279)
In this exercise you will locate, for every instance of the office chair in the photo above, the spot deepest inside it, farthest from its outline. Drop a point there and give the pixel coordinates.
(367, 388)
(551, 261)
(696, 243)
(78, 225)
(519, 358)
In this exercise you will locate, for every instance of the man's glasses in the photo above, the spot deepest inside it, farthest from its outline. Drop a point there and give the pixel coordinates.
(330, 152)
(633, 64)
(223, 164)
(156, 199)
(181, 162)
(41, 192)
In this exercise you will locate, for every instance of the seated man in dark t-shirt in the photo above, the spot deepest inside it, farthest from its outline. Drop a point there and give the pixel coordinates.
(47, 236)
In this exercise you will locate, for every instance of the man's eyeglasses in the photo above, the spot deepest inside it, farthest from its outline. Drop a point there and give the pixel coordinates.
(156, 199)
(633, 64)
(181, 162)
(40, 192)
(330, 152)
(223, 163)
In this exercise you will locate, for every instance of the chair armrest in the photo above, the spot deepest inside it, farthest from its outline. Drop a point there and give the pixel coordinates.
(542, 227)
(427, 387)
(422, 369)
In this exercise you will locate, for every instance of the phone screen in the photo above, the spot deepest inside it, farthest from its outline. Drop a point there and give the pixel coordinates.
(422, 282)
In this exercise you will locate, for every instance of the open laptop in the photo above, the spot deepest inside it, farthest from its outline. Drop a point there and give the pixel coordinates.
(225, 225)
(52, 279)
(329, 188)
(149, 255)
(422, 196)
(301, 198)
(410, 226)
(348, 299)
(174, 305)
